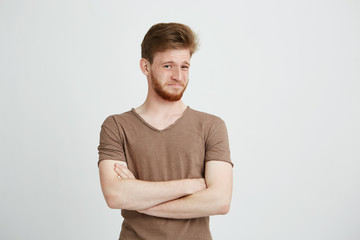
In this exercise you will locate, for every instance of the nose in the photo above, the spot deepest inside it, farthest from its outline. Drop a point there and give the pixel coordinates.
(176, 74)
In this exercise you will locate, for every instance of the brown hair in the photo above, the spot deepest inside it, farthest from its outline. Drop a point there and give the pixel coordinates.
(164, 36)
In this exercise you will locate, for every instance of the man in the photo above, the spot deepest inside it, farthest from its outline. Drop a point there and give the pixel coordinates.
(165, 165)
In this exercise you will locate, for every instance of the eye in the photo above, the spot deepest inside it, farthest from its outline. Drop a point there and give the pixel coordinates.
(167, 66)
(185, 67)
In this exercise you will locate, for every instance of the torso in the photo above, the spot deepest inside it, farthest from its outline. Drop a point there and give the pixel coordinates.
(158, 150)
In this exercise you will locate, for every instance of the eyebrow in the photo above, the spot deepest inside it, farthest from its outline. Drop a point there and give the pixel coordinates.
(185, 62)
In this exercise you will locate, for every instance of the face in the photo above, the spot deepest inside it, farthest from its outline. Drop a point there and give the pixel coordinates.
(169, 73)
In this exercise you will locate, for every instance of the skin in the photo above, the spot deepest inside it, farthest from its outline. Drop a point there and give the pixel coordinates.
(167, 79)
(213, 200)
(170, 70)
(122, 191)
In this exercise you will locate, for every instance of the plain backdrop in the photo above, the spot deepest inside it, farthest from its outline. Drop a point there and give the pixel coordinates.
(283, 75)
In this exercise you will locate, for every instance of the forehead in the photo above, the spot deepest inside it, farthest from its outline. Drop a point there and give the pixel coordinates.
(172, 55)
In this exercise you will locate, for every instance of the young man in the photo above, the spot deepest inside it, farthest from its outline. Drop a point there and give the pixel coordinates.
(165, 165)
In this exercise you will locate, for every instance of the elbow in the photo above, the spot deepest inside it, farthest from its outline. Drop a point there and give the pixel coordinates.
(224, 208)
(113, 201)
(112, 204)
(221, 203)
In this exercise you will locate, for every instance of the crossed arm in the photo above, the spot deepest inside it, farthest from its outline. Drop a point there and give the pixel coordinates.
(184, 198)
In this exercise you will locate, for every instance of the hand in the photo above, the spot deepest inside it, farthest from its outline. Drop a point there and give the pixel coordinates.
(144, 211)
(149, 211)
(123, 172)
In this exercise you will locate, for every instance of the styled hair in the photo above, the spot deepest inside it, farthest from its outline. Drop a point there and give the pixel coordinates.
(165, 36)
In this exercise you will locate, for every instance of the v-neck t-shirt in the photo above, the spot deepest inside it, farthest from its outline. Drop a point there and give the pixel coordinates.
(179, 151)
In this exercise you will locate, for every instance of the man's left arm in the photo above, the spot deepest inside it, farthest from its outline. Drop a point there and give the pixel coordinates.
(214, 200)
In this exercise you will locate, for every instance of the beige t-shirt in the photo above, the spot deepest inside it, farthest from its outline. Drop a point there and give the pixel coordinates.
(176, 152)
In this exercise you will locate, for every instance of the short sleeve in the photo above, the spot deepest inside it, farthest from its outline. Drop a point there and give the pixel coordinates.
(111, 142)
(217, 143)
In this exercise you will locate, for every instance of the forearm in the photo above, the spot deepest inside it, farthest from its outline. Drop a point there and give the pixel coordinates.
(122, 191)
(134, 194)
(213, 200)
(204, 203)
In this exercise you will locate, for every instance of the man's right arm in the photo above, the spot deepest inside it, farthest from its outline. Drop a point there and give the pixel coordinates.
(133, 194)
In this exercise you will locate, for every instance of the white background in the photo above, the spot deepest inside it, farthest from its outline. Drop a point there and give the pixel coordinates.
(284, 75)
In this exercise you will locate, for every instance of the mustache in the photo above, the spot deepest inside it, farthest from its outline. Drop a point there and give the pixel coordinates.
(181, 83)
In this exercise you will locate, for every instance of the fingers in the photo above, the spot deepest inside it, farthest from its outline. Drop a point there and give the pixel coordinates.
(130, 174)
(127, 172)
(123, 171)
(120, 172)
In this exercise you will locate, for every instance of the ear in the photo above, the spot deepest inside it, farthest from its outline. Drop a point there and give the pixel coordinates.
(145, 66)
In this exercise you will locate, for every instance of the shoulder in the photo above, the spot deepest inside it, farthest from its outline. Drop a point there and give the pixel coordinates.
(117, 120)
(208, 123)
(205, 118)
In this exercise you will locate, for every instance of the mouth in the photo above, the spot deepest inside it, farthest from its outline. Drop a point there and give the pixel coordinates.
(175, 84)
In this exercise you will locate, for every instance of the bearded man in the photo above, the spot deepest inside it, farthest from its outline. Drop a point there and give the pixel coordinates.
(164, 164)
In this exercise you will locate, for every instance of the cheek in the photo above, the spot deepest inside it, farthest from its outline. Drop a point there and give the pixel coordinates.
(162, 75)
(186, 76)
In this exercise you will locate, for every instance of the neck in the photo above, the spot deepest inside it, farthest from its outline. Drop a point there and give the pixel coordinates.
(155, 105)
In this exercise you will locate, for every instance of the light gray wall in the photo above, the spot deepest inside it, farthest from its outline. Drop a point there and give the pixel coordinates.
(284, 75)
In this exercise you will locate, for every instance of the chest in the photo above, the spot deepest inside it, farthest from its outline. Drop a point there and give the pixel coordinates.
(160, 123)
(166, 155)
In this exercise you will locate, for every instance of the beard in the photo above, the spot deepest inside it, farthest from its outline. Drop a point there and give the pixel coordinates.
(161, 91)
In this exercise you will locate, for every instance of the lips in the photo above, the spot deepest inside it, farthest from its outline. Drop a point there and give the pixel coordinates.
(176, 84)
